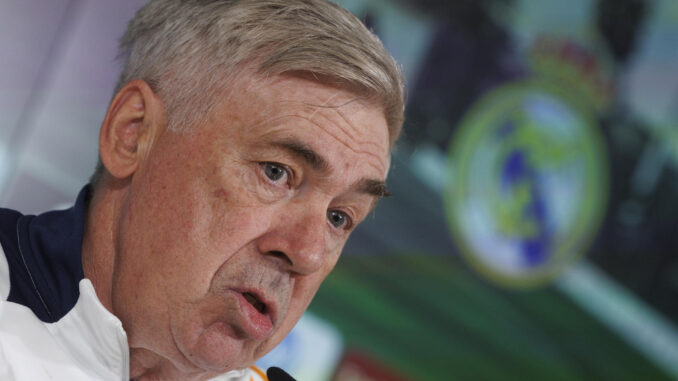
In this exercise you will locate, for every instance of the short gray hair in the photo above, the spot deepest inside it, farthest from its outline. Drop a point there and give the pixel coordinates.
(187, 51)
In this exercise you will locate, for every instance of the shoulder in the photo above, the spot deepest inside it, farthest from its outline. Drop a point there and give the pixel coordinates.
(40, 265)
(8, 220)
(8, 247)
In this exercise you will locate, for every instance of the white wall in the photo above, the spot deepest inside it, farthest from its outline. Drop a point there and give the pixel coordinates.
(58, 73)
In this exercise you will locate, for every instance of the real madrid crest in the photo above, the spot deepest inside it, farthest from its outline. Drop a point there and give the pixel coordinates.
(527, 181)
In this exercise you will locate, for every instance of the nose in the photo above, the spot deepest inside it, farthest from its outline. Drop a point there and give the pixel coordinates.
(297, 239)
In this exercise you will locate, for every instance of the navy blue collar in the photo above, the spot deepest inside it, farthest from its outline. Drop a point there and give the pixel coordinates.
(45, 262)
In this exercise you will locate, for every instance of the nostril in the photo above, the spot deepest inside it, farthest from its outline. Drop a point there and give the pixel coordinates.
(281, 255)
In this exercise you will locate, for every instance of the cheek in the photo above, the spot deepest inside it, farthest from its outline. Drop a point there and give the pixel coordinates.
(234, 183)
(250, 183)
(234, 214)
(165, 235)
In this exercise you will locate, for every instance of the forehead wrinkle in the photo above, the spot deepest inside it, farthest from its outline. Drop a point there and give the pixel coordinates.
(348, 146)
(324, 105)
(350, 132)
(265, 123)
(342, 115)
(338, 125)
(345, 119)
(336, 108)
(274, 138)
(346, 131)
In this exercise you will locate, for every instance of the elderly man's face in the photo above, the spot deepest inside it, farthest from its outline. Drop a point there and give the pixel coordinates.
(229, 229)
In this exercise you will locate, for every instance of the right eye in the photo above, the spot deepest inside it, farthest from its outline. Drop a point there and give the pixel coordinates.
(277, 173)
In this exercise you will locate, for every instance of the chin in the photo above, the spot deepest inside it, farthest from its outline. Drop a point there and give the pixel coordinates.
(217, 348)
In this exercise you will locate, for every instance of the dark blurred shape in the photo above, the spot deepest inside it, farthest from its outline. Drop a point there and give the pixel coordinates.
(470, 53)
(276, 374)
(468, 14)
(368, 20)
(639, 239)
(619, 22)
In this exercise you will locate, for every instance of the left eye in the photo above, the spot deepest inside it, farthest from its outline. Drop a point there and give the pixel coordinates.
(275, 172)
(338, 219)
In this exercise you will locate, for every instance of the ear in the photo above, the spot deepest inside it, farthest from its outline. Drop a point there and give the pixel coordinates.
(135, 117)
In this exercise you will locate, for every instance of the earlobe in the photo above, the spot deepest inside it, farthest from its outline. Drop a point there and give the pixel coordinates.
(133, 120)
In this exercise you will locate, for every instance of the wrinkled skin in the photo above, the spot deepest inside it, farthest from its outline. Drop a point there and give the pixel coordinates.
(228, 207)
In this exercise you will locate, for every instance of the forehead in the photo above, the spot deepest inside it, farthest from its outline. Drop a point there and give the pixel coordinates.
(329, 118)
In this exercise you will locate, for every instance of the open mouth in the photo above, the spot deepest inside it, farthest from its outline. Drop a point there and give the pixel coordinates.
(255, 302)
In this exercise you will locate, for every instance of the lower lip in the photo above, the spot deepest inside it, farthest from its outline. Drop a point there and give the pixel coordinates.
(257, 325)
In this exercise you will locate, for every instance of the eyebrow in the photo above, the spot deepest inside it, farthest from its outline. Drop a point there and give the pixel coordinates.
(376, 188)
(304, 152)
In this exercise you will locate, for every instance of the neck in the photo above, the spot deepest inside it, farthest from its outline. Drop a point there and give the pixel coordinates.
(146, 366)
(98, 244)
(99, 248)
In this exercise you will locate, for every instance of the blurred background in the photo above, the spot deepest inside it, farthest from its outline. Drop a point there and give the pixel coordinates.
(534, 224)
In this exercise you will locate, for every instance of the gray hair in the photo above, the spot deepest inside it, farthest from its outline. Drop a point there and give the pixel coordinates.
(187, 51)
